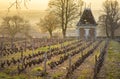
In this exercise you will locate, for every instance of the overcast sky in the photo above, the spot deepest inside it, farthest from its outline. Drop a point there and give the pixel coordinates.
(42, 4)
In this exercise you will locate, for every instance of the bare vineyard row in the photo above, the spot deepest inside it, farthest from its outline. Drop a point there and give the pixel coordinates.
(64, 54)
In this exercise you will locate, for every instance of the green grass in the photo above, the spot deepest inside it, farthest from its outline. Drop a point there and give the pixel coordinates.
(111, 68)
(114, 61)
(57, 75)
(37, 69)
(6, 76)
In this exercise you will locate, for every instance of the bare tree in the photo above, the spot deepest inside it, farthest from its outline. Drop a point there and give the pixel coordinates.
(104, 26)
(48, 24)
(17, 4)
(14, 25)
(26, 29)
(66, 11)
(112, 17)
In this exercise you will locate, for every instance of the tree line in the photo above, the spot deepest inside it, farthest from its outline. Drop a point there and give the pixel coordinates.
(61, 13)
(110, 18)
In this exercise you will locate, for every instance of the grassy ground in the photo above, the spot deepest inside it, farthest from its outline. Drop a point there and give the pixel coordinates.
(111, 67)
(5, 76)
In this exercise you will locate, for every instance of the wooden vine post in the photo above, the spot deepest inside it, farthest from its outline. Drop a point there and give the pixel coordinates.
(45, 63)
(70, 64)
(95, 69)
(25, 45)
(50, 48)
(33, 44)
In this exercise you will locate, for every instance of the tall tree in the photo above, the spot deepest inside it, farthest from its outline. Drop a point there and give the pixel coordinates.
(14, 25)
(66, 11)
(48, 24)
(104, 26)
(112, 17)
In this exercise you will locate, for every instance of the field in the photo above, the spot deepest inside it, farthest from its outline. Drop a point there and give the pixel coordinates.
(60, 59)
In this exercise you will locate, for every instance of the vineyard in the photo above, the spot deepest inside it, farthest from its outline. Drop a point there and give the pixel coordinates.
(56, 59)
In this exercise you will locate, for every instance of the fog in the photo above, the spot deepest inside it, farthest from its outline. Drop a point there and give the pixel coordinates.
(34, 17)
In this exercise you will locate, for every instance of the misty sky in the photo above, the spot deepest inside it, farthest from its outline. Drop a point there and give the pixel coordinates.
(42, 4)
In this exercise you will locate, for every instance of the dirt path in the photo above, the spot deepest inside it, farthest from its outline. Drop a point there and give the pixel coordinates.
(61, 70)
(85, 71)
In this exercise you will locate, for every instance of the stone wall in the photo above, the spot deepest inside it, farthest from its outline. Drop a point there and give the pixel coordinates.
(91, 33)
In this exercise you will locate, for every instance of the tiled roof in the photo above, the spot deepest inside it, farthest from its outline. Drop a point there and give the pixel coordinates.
(87, 18)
